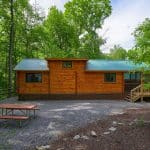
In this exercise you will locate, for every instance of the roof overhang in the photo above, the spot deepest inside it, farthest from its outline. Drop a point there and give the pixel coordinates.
(32, 65)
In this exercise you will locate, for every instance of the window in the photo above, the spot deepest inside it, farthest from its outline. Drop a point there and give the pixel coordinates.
(33, 77)
(67, 64)
(110, 77)
(132, 76)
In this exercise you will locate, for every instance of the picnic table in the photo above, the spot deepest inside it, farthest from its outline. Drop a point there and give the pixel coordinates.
(8, 111)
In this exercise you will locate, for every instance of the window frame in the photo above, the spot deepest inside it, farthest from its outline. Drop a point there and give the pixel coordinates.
(65, 67)
(33, 81)
(106, 81)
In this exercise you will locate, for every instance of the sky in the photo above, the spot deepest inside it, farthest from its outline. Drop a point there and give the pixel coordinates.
(119, 26)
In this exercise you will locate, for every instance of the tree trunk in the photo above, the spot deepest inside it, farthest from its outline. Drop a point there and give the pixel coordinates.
(10, 50)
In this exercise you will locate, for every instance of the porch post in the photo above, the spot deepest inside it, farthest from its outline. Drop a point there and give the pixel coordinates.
(142, 87)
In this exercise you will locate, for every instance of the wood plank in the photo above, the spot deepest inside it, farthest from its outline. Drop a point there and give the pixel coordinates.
(14, 117)
(17, 106)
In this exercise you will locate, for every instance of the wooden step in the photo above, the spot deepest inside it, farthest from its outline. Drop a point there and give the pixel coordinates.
(128, 96)
(127, 99)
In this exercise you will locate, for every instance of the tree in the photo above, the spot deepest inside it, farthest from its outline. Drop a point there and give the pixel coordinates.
(60, 37)
(11, 47)
(118, 53)
(141, 51)
(90, 44)
(20, 28)
(88, 16)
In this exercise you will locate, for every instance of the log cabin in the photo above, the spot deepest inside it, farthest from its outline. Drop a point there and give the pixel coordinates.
(76, 79)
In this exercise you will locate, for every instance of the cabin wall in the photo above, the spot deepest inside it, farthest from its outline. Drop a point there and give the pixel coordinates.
(76, 80)
(65, 80)
(32, 88)
(93, 82)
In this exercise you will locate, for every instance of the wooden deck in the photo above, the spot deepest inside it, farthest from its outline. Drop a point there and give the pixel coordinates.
(139, 93)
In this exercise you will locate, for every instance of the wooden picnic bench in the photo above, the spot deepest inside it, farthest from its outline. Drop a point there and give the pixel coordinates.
(23, 108)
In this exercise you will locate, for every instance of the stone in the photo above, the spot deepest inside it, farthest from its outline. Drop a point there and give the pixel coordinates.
(112, 129)
(135, 120)
(93, 133)
(14, 142)
(44, 147)
(114, 122)
(120, 123)
(85, 137)
(117, 112)
(81, 147)
(76, 137)
(60, 148)
(51, 126)
(55, 133)
(64, 139)
(131, 123)
(106, 133)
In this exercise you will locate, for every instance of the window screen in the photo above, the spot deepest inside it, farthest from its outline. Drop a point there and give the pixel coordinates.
(33, 77)
(67, 64)
(110, 77)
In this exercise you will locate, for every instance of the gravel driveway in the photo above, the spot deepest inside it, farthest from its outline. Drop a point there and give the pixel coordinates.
(55, 118)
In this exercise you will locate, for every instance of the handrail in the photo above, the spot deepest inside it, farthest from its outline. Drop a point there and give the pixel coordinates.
(136, 93)
(139, 86)
(147, 91)
(139, 92)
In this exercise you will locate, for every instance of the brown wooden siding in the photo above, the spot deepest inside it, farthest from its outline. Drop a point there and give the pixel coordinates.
(93, 82)
(64, 80)
(32, 88)
(77, 80)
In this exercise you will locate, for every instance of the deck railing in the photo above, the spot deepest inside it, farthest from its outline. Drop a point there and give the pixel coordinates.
(136, 93)
(139, 92)
(146, 92)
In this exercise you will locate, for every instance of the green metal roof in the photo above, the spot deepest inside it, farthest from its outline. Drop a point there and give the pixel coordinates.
(32, 65)
(112, 65)
(91, 65)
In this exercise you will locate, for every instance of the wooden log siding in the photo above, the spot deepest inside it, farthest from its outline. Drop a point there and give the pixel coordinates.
(75, 80)
(93, 82)
(33, 88)
(65, 80)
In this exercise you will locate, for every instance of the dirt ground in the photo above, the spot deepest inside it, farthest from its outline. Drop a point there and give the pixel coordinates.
(132, 133)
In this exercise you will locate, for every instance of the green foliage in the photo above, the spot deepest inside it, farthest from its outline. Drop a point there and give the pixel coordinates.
(26, 35)
(60, 37)
(147, 86)
(140, 121)
(141, 51)
(90, 44)
(88, 16)
(118, 53)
